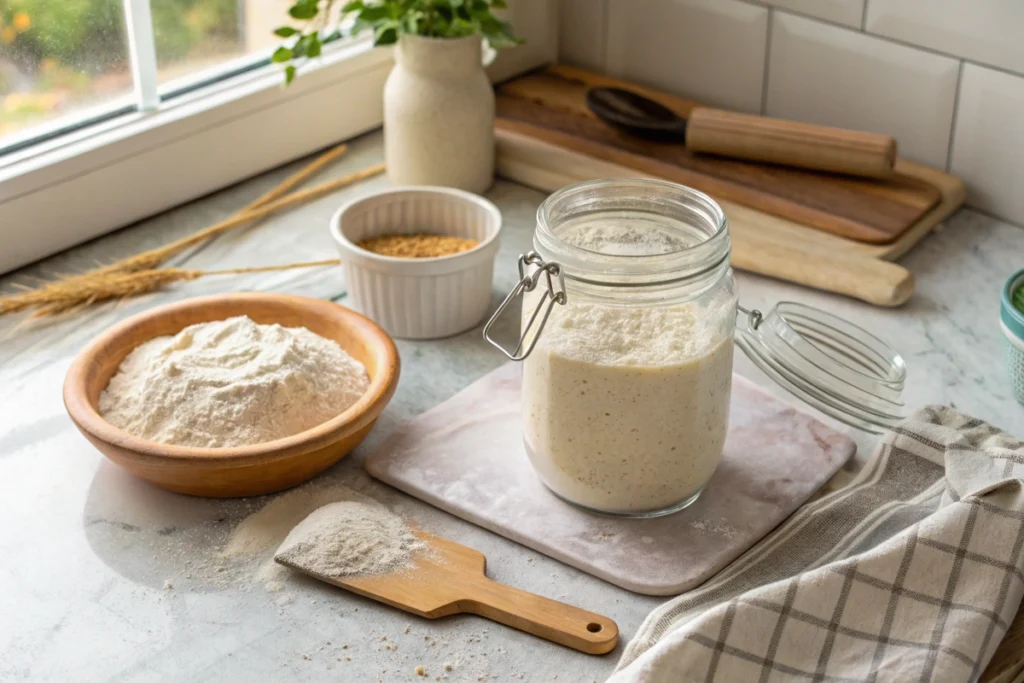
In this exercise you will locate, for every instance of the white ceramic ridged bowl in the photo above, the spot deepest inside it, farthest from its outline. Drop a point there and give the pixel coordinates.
(419, 298)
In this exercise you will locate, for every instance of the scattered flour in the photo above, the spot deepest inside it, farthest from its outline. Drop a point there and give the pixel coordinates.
(709, 528)
(231, 383)
(264, 530)
(350, 539)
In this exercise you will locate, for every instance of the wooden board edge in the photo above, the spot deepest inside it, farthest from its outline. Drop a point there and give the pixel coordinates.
(517, 148)
(953, 194)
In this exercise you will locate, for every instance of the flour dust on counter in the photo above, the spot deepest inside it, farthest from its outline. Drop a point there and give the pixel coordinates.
(179, 544)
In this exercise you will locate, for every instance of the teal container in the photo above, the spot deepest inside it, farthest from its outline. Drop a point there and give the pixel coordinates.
(1012, 322)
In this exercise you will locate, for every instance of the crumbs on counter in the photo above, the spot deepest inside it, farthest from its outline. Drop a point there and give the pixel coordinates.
(418, 245)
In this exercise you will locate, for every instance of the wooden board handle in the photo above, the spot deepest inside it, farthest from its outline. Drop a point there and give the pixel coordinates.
(790, 143)
(878, 282)
(552, 620)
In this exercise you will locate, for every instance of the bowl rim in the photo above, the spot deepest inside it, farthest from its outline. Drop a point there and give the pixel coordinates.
(1011, 317)
(357, 416)
(468, 197)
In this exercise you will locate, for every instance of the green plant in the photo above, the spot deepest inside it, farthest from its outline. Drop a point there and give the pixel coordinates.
(389, 20)
(1018, 298)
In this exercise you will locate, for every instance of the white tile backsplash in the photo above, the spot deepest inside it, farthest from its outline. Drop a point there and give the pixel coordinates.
(988, 141)
(709, 50)
(915, 69)
(823, 74)
(849, 12)
(989, 31)
(581, 33)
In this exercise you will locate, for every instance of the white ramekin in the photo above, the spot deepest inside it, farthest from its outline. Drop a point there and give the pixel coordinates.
(419, 298)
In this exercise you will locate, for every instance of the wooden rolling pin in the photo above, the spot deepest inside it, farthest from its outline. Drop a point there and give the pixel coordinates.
(549, 167)
(745, 136)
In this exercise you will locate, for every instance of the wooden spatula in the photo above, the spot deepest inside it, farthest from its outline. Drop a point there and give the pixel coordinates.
(448, 578)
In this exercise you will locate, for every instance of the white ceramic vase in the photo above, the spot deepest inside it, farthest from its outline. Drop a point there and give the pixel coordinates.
(439, 114)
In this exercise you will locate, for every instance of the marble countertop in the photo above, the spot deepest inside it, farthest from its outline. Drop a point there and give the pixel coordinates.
(101, 575)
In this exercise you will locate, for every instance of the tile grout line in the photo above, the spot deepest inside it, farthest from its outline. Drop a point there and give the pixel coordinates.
(993, 216)
(864, 17)
(605, 12)
(767, 61)
(886, 39)
(955, 116)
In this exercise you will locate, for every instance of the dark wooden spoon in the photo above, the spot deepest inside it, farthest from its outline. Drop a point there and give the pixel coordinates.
(745, 136)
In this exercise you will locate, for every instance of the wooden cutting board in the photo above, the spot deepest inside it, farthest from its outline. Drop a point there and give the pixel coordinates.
(466, 456)
(549, 105)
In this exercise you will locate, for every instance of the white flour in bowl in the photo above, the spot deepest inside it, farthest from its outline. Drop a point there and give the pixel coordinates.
(231, 383)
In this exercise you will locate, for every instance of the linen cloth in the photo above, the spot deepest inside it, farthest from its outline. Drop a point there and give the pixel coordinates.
(913, 572)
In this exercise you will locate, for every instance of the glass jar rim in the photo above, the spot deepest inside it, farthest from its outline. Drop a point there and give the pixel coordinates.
(644, 195)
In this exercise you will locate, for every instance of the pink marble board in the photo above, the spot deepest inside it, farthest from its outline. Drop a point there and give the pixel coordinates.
(466, 456)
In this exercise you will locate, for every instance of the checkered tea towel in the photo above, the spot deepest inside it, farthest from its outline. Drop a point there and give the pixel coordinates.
(913, 572)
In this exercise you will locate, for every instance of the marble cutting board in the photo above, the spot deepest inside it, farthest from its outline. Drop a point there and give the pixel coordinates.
(466, 456)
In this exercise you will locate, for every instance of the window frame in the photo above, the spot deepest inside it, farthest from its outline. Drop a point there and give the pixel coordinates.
(109, 173)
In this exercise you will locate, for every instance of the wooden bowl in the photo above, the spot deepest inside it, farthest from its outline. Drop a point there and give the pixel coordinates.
(243, 470)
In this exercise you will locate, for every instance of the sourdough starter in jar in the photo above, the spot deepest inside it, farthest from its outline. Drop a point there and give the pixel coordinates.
(625, 406)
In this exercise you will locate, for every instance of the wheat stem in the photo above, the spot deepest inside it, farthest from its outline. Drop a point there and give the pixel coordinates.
(63, 298)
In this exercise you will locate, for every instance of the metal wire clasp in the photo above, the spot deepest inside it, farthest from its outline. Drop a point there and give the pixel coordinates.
(754, 317)
(555, 294)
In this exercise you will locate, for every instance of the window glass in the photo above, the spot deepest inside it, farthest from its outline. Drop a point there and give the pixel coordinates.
(193, 36)
(60, 58)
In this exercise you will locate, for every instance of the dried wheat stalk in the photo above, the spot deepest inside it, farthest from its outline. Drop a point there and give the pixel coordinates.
(62, 297)
(155, 257)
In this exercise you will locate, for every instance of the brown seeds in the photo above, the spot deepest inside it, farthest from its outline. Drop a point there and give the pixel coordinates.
(419, 245)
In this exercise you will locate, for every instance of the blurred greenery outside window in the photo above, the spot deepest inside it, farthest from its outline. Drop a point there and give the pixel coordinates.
(62, 57)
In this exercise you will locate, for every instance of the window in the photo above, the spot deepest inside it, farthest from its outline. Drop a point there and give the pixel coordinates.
(113, 110)
(60, 59)
(67, 63)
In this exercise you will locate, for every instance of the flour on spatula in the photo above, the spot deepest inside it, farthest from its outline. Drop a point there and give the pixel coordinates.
(350, 539)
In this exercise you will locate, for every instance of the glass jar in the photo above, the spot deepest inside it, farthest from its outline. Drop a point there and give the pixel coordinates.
(629, 317)
(626, 391)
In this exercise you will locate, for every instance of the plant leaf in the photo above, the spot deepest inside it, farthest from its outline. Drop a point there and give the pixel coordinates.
(285, 31)
(412, 21)
(352, 6)
(386, 34)
(358, 26)
(282, 54)
(499, 4)
(289, 74)
(315, 46)
(374, 14)
(303, 10)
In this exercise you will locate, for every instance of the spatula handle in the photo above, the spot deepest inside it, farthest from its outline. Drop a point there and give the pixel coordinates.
(552, 620)
(790, 143)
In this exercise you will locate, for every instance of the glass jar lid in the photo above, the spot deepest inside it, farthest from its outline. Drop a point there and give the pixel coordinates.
(837, 367)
